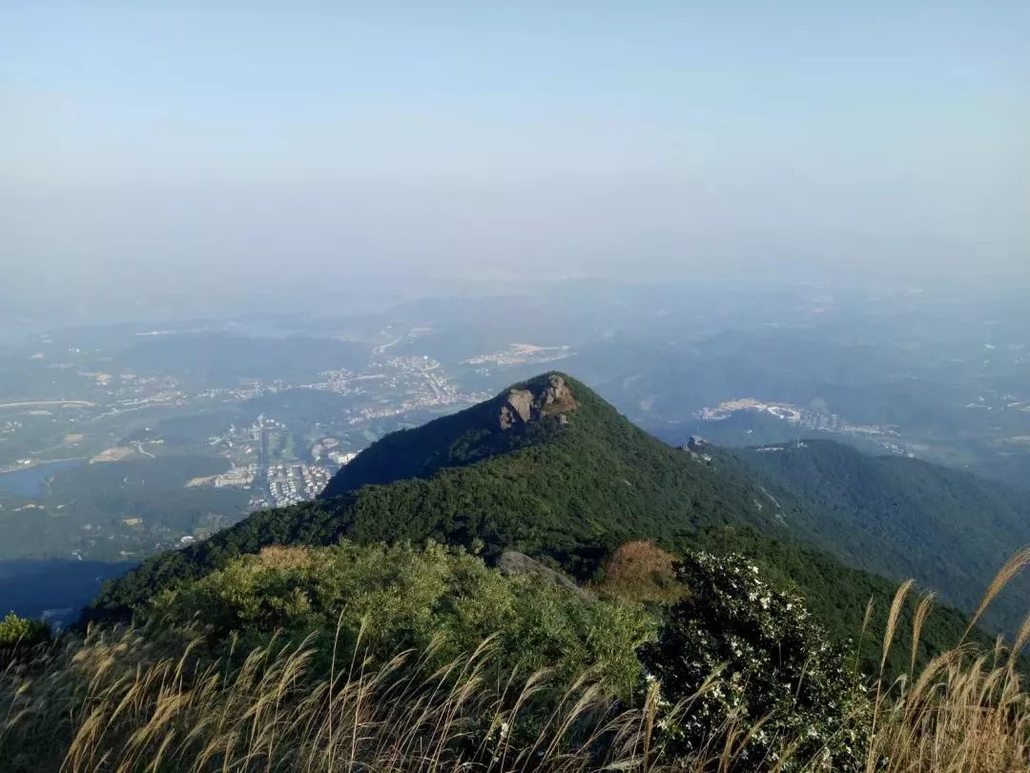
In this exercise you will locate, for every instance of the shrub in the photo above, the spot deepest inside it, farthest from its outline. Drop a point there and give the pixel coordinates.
(780, 688)
(390, 599)
(640, 571)
(21, 631)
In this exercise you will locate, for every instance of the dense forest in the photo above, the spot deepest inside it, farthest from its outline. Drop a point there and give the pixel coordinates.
(902, 517)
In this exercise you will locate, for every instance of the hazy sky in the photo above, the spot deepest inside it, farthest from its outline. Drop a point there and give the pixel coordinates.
(187, 144)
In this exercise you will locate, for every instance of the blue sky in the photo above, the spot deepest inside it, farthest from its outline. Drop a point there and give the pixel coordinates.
(650, 139)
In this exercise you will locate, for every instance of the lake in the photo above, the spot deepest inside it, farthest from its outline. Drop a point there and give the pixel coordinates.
(29, 482)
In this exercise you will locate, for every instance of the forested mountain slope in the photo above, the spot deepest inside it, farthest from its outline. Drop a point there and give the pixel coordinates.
(903, 517)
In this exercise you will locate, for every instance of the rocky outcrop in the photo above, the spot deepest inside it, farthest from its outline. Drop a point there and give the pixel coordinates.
(517, 408)
(513, 563)
(697, 444)
(521, 406)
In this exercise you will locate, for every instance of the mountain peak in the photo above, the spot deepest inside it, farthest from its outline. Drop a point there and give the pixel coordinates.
(545, 467)
(546, 395)
(527, 413)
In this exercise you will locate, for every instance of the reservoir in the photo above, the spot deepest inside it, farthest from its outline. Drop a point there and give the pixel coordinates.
(30, 481)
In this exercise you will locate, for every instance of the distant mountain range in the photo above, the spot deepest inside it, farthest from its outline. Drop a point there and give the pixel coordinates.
(549, 468)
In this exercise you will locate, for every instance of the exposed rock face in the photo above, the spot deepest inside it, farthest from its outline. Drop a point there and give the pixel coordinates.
(525, 405)
(697, 444)
(513, 563)
(517, 409)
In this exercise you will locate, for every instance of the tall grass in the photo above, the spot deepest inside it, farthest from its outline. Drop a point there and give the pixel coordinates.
(114, 703)
(967, 709)
(120, 700)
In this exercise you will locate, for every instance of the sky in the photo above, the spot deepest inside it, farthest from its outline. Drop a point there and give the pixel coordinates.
(199, 145)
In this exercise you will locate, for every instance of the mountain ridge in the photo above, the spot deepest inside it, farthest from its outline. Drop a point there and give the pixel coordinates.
(905, 517)
(566, 481)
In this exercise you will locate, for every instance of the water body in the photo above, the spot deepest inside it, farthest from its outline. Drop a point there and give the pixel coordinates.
(30, 482)
(56, 589)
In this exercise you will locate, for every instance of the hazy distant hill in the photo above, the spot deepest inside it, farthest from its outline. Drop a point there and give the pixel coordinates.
(53, 588)
(225, 359)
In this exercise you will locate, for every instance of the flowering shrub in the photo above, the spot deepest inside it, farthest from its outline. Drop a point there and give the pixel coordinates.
(753, 668)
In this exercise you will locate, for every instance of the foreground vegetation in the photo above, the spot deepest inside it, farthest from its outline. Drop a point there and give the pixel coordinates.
(18, 631)
(401, 659)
